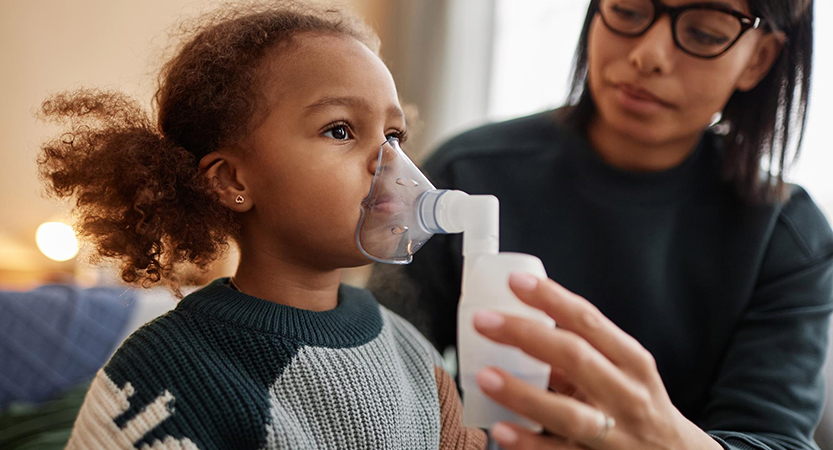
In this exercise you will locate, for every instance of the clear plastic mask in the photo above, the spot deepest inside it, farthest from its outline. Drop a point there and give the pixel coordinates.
(390, 230)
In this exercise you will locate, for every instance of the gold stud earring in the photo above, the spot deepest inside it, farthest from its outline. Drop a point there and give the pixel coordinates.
(239, 199)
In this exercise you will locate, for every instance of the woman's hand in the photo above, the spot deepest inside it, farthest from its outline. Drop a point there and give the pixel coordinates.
(608, 392)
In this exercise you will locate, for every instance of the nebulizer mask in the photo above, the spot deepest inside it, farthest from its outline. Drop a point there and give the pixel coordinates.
(389, 230)
(401, 212)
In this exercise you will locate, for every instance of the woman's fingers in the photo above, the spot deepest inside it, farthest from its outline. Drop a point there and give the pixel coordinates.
(516, 437)
(583, 365)
(574, 313)
(558, 414)
(560, 384)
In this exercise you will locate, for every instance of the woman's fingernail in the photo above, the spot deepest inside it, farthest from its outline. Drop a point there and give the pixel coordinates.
(523, 281)
(503, 434)
(489, 380)
(488, 320)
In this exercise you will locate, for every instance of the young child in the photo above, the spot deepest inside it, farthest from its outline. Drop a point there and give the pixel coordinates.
(268, 128)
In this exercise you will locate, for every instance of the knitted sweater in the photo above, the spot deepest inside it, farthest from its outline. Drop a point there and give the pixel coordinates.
(227, 370)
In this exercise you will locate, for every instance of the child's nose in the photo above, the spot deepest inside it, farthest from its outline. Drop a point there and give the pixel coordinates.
(373, 161)
(378, 156)
(373, 164)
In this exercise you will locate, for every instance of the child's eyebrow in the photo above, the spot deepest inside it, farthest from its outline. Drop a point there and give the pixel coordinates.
(352, 102)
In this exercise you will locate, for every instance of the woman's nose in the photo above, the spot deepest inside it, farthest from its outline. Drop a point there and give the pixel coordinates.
(654, 50)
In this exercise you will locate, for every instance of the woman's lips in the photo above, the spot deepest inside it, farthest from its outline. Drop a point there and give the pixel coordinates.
(639, 100)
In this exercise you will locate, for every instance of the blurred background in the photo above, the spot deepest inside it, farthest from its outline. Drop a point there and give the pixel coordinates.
(460, 62)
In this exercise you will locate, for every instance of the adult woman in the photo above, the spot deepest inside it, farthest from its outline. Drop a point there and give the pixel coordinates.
(718, 279)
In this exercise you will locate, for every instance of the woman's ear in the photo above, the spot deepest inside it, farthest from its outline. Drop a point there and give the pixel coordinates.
(227, 180)
(766, 53)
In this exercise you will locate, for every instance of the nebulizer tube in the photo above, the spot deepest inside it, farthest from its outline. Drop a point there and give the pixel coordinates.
(402, 211)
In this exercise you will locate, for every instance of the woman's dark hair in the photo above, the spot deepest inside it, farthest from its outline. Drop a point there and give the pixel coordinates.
(761, 125)
(138, 191)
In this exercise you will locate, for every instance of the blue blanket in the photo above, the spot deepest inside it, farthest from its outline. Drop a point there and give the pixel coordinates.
(56, 336)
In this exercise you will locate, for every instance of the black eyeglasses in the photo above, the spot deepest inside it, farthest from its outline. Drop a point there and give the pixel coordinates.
(705, 30)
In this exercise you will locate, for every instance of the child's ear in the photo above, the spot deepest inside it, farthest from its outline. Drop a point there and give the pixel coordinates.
(227, 180)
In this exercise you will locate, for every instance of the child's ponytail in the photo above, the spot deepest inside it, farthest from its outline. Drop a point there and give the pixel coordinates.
(140, 198)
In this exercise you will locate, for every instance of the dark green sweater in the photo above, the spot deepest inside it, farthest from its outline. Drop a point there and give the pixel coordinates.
(733, 300)
(227, 370)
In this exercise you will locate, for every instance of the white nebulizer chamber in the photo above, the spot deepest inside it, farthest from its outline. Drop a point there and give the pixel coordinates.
(402, 211)
(486, 287)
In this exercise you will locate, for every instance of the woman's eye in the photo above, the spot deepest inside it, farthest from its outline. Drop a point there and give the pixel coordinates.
(628, 14)
(705, 38)
(338, 133)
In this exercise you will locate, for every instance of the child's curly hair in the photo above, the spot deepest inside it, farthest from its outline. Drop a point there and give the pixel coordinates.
(138, 191)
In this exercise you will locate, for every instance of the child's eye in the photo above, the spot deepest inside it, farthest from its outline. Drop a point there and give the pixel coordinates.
(401, 135)
(338, 132)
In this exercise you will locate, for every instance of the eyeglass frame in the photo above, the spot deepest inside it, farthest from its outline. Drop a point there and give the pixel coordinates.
(747, 22)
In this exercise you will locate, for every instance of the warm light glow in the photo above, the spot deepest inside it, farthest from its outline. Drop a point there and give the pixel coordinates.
(57, 241)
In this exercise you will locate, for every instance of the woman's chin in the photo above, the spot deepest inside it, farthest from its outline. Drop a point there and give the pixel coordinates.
(649, 130)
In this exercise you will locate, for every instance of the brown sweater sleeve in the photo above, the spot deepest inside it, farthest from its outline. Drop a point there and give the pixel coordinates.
(453, 435)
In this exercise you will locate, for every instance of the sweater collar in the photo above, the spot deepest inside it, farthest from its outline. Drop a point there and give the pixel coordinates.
(356, 319)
